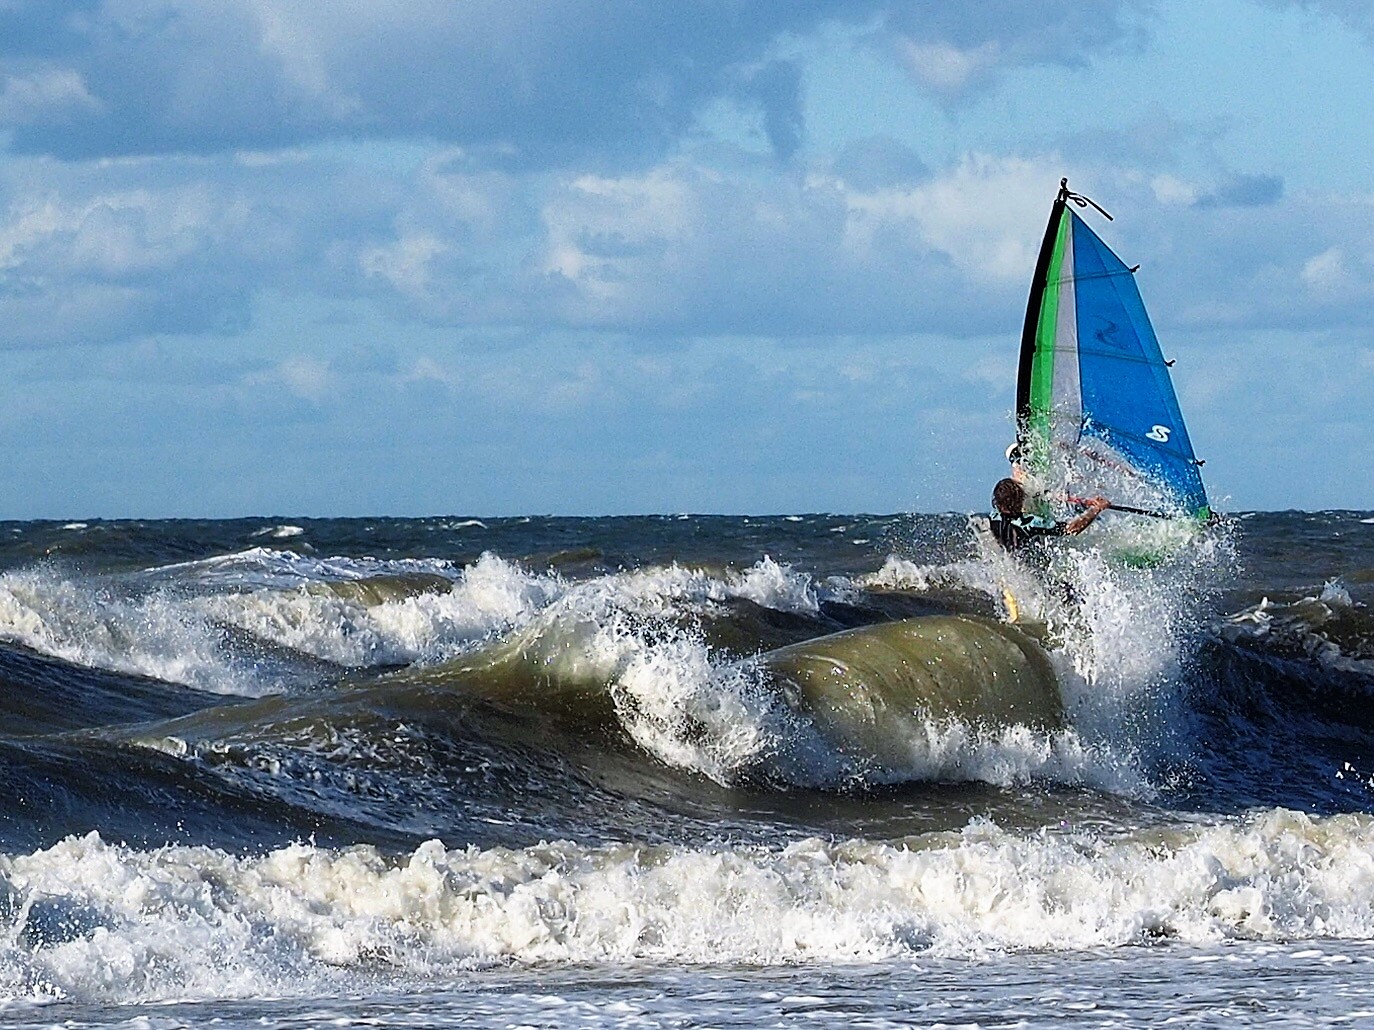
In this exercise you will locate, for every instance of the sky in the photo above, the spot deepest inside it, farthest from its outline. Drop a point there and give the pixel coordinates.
(585, 257)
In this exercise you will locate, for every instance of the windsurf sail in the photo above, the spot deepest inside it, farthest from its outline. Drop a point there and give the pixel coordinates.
(1096, 410)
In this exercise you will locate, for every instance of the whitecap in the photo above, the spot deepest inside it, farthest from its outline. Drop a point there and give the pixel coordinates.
(182, 922)
(280, 532)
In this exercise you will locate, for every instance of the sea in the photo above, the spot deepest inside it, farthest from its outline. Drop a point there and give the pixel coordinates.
(554, 772)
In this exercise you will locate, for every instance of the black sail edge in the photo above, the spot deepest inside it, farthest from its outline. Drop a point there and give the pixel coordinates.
(1034, 304)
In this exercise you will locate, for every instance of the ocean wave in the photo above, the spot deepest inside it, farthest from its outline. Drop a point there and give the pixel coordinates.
(1120, 635)
(393, 619)
(96, 922)
(1331, 629)
(927, 699)
(216, 625)
(88, 623)
(646, 641)
(272, 567)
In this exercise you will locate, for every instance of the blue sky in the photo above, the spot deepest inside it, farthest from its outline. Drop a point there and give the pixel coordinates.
(609, 256)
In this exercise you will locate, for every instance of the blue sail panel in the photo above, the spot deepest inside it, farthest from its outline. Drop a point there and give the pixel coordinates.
(1128, 401)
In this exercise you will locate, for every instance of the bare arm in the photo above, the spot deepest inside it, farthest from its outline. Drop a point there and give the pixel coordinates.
(1081, 522)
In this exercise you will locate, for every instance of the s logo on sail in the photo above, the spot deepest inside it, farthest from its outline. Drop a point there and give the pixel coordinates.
(1160, 434)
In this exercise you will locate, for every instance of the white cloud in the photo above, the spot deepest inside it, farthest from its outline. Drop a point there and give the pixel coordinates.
(682, 246)
(949, 70)
(599, 232)
(1327, 272)
(690, 248)
(306, 377)
(48, 93)
(405, 264)
(986, 214)
(112, 234)
(705, 241)
(958, 50)
(543, 82)
(303, 58)
(426, 370)
(172, 244)
(1174, 192)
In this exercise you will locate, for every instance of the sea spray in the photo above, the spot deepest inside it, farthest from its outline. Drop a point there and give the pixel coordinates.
(97, 623)
(1128, 633)
(1119, 634)
(485, 599)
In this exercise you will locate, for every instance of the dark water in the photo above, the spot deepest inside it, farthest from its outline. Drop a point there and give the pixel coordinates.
(547, 771)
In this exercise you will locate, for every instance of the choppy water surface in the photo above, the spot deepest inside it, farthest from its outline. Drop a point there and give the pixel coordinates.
(559, 772)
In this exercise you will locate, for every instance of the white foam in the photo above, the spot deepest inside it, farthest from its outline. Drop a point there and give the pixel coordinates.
(1301, 628)
(170, 623)
(272, 567)
(102, 923)
(1010, 756)
(774, 586)
(690, 714)
(1335, 594)
(985, 575)
(281, 532)
(658, 589)
(684, 704)
(488, 598)
(150, 635)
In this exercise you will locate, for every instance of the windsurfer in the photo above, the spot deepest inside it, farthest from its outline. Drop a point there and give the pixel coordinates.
(1014, 529)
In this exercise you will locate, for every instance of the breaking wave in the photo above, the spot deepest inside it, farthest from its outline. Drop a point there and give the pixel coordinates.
(95, 922)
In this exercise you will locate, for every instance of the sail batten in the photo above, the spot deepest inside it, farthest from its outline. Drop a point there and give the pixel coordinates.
(1101, 275)
(1096, 408)
(1108, 356)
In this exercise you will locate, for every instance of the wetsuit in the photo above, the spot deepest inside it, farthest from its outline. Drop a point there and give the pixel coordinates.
(1015, 532)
